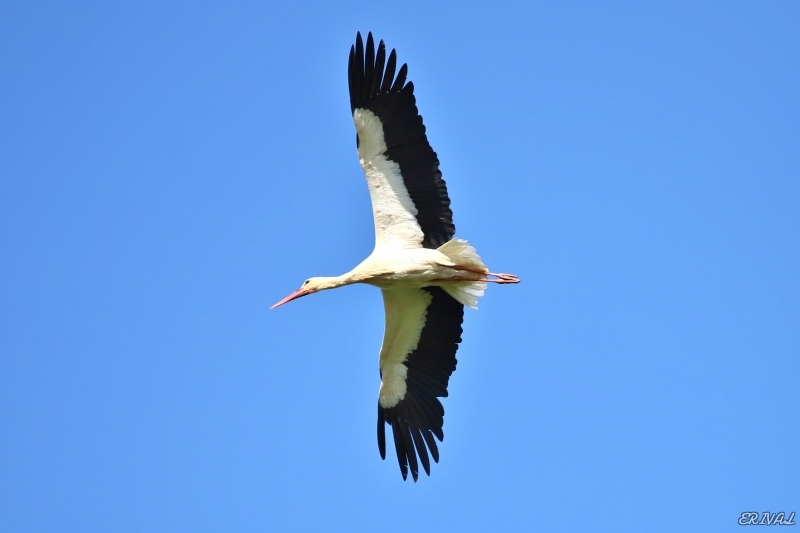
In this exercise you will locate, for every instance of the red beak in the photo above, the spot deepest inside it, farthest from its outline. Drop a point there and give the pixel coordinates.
(295, 295)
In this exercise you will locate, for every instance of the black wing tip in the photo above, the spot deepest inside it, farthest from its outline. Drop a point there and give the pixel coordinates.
(367, 76)
(381, 433)
(413, 438)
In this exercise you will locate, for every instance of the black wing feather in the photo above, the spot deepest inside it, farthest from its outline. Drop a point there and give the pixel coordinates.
(400, 447)
(381, 433)
(408, 443)
(388, 75)
(377, 75)
(393, 102)
(422, 452)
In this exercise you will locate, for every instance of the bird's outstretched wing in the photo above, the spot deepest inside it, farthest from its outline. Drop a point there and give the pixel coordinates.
(423, 329)
(409, 196)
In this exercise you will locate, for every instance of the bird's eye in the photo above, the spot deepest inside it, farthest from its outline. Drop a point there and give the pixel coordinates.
(306, 282)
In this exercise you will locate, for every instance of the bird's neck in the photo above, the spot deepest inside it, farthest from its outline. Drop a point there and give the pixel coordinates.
(333, 282)
(359, 274)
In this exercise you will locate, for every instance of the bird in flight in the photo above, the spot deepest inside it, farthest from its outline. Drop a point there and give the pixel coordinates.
(425, 274)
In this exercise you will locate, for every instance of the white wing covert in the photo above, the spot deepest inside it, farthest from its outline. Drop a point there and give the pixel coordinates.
(392, 208)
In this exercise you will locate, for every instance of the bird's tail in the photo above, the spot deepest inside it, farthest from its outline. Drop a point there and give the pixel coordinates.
(461, 253)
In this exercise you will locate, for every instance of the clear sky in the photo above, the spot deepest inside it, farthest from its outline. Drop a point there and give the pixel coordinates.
(169, 170)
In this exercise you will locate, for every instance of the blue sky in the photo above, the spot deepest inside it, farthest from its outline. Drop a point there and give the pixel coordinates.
(170, 170)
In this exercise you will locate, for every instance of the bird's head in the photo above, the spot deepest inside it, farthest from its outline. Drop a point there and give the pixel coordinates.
(309, 286)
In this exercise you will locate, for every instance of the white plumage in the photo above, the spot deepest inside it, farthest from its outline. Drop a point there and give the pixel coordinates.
(425, 274)
(392, 207)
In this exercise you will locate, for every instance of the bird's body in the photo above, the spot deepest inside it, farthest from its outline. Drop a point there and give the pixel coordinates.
(426, 275)
(408, 268)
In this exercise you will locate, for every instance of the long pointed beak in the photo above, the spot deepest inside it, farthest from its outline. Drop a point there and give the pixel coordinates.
(295, 295)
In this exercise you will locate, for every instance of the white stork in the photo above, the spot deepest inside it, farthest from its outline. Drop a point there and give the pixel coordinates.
(426, 276)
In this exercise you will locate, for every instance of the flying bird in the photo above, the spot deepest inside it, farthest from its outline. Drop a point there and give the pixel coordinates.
(425, 274)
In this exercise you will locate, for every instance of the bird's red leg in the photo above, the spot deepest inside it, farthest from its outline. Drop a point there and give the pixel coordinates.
(459, 278)
(501, 278)
(486, 280)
